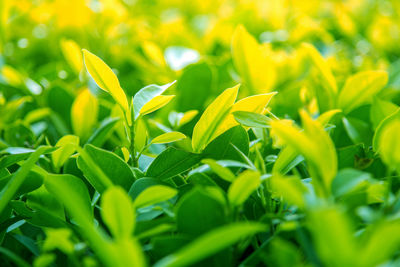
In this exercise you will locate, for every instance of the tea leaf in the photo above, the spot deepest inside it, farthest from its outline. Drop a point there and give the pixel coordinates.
(360, 89)
(105, 78)
(243, 186)
(168, 138)
(117, 212)
(66, 147)
(84, 114)
(210, 243)
(213, 116)
(153, 195)
(146, 94)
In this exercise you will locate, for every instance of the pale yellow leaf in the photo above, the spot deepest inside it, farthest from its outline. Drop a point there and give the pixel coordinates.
(156, 103)
(72, 53)
(105, 78)
(252, 61)
(168, 138)
(84, 114)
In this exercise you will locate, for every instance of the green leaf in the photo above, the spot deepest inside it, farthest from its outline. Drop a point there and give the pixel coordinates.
(105, 78)
(379, 130)
(211, 243)
(388, 142)
(115, 171)
(221, 148)
(153, 195)
(168, 138)
(146, 94)
(360, 89)
(72, 192)
(172, 162)
(244, 185)
(213, 116)
(221, 171)
(102, 133)
(117, 212)
(8, 191)
(66, 147)
(380, 109)
(197, 76)
(251, 119)
(199, 206)
(291, 189)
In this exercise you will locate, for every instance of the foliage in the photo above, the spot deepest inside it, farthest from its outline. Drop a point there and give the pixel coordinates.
(199, 133)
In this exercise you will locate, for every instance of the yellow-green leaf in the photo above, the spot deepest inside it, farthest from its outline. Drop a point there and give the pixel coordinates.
(156, 103)
(388, 143)
(153, 195)
(255, 104)
(360, 88)
(315, 145)
(105, 78)
(117, 212)
(325, 88)
(84, 114)
(205, 129)
(242, 187)
(221, 171)
(72, 53)
(67, 146)
(187, 116)
(168, 138)
(253, 63)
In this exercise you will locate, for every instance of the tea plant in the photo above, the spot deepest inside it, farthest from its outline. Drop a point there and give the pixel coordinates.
(209, 133)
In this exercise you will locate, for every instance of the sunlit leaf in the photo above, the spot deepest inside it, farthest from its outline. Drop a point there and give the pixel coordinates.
(168, 138)
(84, 114)
(66, 147)
(360, 89)
(205, 129)
(105, 78)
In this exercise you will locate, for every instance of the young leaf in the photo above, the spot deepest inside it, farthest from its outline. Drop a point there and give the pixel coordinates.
(156, 103)
(388, 143)
(66, 147)
(252, 61)
(360, 89)
(105, 78)
(72, 53)
(325, 87)
(146, 94)
(244, 185)
(168, 138)
(315, 145)
(211, 243)
(117, 212)
(205, 129)
(153, 195)
(379, 130)
(251, 119)
(221, 171)
(84, 114)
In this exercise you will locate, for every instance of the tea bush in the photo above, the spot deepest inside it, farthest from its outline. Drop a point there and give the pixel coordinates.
(199, 133)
